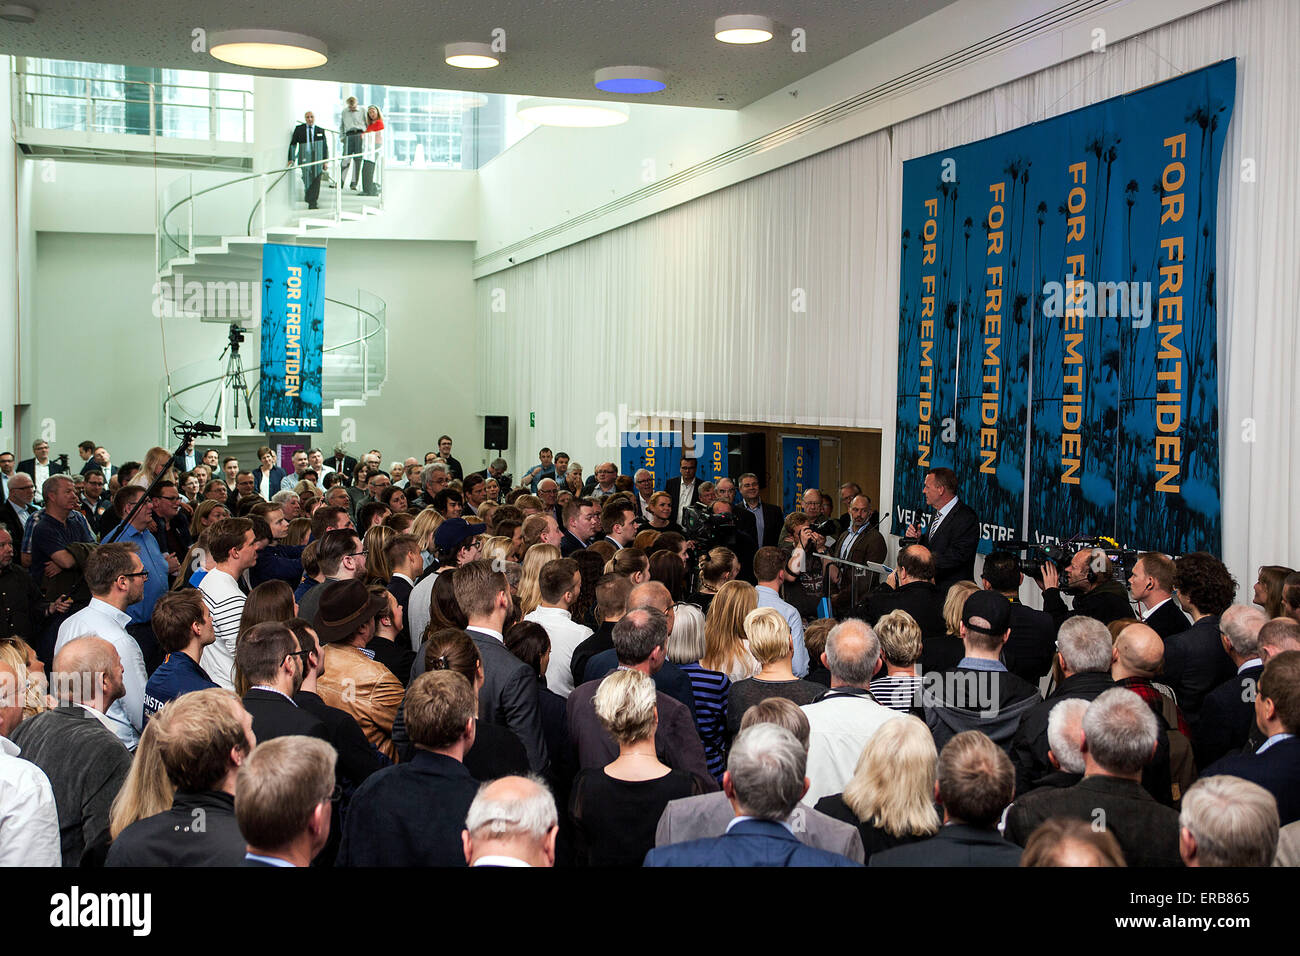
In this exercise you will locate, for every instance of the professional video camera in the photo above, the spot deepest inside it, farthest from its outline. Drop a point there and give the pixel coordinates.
(708, 530)
(1033, 557)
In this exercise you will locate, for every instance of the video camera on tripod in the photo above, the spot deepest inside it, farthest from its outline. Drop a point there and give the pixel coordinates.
(1034, 556)
(708, 530)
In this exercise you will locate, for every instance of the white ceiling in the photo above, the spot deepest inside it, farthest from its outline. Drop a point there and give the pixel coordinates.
(552, 46)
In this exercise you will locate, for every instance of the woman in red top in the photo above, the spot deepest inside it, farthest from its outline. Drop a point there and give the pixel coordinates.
(374, 143)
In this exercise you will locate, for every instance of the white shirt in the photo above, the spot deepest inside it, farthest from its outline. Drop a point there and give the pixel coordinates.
(29, 820)
(840, 726)
(101, 619)
(499, 861)
(565, 634)
(1148, 611)
(685, 498)
(226, 603)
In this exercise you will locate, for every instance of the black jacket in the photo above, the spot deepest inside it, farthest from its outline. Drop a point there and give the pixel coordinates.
(773, 521)
(1277, 770)
(275, 715)
(298, 152)
(1227, 717)
(1107, 602)
(601, 640)
(171, 838)
(1029, 651)
(953, 546)
(1029, 746)
(957, 844)
(1168, 620)
(924, 602)
(509, 696)
(1147, 832)
(358, 757)
(411, 814)
(1195, 664)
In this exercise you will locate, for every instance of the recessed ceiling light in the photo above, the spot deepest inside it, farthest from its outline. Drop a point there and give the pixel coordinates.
(16, 13)
(548, 112)
(268, 49)
(743, 28)
(470, 56)
(631, 79)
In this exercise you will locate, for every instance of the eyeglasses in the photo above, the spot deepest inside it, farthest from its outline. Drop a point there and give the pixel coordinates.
(303, 654)
(136, 574)
(358, 554)
(169, 497)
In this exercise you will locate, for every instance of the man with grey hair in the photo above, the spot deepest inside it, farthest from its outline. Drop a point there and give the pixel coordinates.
(77, 746)
(512, 822)
(764, 782)
(433, 479)
(1228, 712)
(1083, 657)
(1119, 738)
(844, 718)
(708, 814)
(639, 641)
(1227, 821)
(644, 482)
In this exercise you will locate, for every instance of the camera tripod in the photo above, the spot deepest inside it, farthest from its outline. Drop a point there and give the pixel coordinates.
(234, 377)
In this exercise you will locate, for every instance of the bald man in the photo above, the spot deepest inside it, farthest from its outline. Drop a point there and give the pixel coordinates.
(29, 817)
(1228, 714)
(670, 679)
(76, 746)
(512, 822)
(1136, 660)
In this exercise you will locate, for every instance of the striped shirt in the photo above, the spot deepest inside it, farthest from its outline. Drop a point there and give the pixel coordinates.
(226, 603)
(898, 691)
(711, 690)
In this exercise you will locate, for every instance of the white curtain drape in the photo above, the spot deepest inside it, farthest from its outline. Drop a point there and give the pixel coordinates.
(693, 310)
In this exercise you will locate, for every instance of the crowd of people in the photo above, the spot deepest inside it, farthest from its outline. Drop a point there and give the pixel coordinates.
(354, 663)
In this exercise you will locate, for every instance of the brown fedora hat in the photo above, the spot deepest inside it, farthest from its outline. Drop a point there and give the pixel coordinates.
(344, 607)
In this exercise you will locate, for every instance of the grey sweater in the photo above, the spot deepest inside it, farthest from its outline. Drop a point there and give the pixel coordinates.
(86, 765)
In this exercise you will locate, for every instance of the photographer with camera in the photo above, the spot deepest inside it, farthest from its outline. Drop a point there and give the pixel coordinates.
(806, 571)
(1090, 580)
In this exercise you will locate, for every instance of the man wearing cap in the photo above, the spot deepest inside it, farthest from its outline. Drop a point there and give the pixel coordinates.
(353, 680)
(980, 693)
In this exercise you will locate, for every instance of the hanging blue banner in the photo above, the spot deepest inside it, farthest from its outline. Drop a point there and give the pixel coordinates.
(1086, 241)
(659, 453)
(800, 469)
(711, 450)
(293, 324)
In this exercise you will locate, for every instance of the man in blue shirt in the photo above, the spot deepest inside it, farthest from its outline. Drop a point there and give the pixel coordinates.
(182, 626)
(51, 531)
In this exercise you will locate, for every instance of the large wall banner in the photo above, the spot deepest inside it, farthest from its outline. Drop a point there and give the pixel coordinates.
(801, 459)
(711, 450)
(1057, 322)
(659, 453)
(293, 331)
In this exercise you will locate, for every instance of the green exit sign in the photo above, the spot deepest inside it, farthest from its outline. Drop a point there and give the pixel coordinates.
(532, 419)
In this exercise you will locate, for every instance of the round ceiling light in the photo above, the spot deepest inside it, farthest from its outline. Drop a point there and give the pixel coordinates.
(547, 112)
(17, 13)
(268, 49)
(470, 56)
(743, 28)
(631, 79)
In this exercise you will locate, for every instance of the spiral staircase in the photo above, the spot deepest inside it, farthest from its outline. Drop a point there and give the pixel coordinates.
(211, 230)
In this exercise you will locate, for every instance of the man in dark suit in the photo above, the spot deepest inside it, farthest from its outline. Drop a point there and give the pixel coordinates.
(412, 814)
(307, 147)
(1228, 714)
(1276, 765)
(269, 658)
(685, 490)
(764, 781)
(759, 520)
(41, 457)
(911, 588)
(975, 783)
(581, 524)
(1195, 662)
(1120, 734)
(283, 800)
(639, 640)
(952, 535)
(1028, 653)
(510, 690)
(342, 462)
(860, 542)
(453, 466)
(1150, 586)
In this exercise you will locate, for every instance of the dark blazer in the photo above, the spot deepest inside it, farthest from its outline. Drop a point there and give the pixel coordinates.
(9, 518)
(397, 655)
(298, 152)
(676, 741)
(1227, 717)
(773, 520)
(1277, 770)
(1029, 746)
(748, 843)
(274, 715)
(957, 844)
(401, 589)
(953, 546)
(1168, 620)
(509, 697)
(454, 469)
(278, 475)
(569, 544)
(925, 603)
(1147, 832)
(1029, 650)
(349, 466)
(869, 545)
(670, 678)
(674, 489)
(411, 814)
(28, 465)
(358, 757)
(1195, 664)
(601, 640)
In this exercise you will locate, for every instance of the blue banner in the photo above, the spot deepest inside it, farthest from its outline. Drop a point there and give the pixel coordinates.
(293, 324)
(659, 453)
(800, 469)
(711, 450)
(1057, 290)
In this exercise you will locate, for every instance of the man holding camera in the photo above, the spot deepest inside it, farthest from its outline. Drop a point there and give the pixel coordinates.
(1089, 578)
